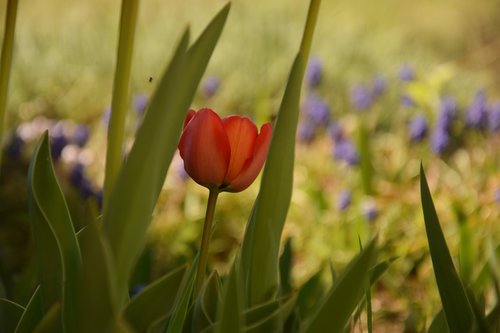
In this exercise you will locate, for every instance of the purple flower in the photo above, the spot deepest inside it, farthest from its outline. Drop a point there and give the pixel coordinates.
(346, 151)
(140, 103)
(210, 86)
(418, 128)
(336, 132)
(317, 111)
(407, 101)
(440, 140)
(494, 117)
(15, 146)
(447, 113)
(379, 85)
(58, 142)
(496, 196)
(306, 132)
(361, 97)
(81, 135)
(477, 114)
(344, 200)
(370, 210)
(406, 73)
(314, 72)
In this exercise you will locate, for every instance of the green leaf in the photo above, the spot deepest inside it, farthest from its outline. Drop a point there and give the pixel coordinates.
(260, 249)
(379, 269)
(270, 316)
(51, 322)
(141, 178)
(365, 166)
(10, 313)
(310, 295)
(438, 324)
(230, 311)
(205, 307)
(58, 253)
(95, 305)
(155, 301)
(344, 295)
(285, 264)
(32, 314)
(456, 306)
(183, 302)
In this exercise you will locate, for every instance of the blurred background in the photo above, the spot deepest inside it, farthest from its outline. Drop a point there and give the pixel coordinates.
(390, 84)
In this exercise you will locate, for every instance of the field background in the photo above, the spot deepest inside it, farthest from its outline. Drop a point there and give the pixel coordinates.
(63, 69)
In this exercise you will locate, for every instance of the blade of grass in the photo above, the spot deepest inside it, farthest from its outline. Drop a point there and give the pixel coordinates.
(119, 102)
(344, 295)
(6, 62)
(58, 251)
(456, 305)
(135, 194)
(32, 314)
(10, 313)
(231, 309)
(260, 250)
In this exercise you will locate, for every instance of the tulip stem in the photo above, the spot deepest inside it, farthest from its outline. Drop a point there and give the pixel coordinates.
(205, 240)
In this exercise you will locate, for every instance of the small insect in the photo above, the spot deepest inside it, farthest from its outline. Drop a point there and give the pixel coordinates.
(150, 79)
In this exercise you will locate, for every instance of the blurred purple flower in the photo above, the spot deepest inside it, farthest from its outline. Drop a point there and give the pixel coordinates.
(106, 116)
(81, 135)
(370, 210)
(346, 151)
(361, 97)
(496, 196)
(418, 128)
(314, 72)
(15, 146)
(336, 132)
(210, 86)
(344, 200)
(306, 132)
(379, 85)
(477, 114)
(447, 113)
(317, 111)
(140, 103)
(440, 140)
(407, 101)
(494, 117)
(58, 141)
(406, 73)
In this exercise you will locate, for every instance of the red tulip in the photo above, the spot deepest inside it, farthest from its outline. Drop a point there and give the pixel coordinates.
(223, 154)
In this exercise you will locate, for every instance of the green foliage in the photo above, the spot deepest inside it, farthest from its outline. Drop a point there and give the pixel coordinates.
(460, 309)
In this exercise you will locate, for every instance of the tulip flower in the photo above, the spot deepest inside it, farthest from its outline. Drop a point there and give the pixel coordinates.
(223, 154)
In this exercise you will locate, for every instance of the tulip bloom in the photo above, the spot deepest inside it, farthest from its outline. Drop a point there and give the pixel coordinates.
(223, 154)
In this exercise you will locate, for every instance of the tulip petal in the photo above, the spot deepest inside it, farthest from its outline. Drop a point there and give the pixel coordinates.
(189, 116)
(253, 166)
(205, 148)
(242, 134)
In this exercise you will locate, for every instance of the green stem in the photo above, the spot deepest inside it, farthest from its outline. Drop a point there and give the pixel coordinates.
(119, 103)
(312, 17)
(6, 62)
(205, 240)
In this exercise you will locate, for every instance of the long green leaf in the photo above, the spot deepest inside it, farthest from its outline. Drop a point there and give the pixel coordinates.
(32, 314)
(58, 251)
(154, 301)
(230, 311)
(10, 313)
(50, 323)
(6, 61)
(260, 250)
(456, 306)
(438, 324)
(344, 295)
(95, 305)
(205, 307)
(269, 317)
(140, 181)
